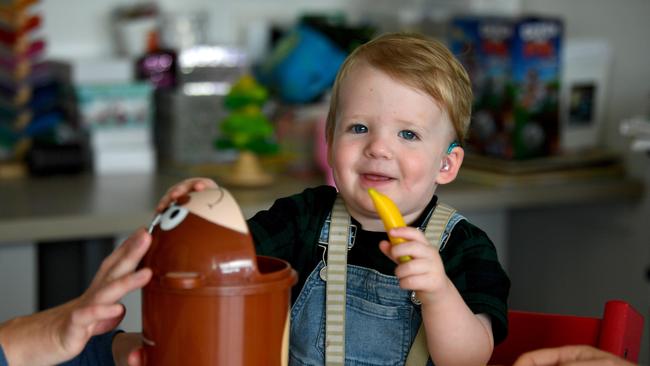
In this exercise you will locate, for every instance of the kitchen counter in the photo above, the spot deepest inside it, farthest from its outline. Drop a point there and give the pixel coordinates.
(77, 207)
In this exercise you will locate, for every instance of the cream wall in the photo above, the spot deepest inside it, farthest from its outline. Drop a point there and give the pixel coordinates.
(595, 252)
(625, 26)
(89, 38)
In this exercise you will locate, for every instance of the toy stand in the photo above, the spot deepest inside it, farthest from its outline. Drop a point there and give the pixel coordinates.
(248, 172)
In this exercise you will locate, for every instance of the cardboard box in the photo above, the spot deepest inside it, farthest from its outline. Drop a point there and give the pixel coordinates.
(118, 120)
(514, 64)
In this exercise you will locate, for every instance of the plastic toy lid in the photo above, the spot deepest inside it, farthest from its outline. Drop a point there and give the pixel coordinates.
(202, 240)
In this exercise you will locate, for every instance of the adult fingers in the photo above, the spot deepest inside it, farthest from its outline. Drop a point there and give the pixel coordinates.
(137, 239)
(595, 362)
(90, 314)
(131, 256)
(90, 320)
(115, 290)
(559, 355)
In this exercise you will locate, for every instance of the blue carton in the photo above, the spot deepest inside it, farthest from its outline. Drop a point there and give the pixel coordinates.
(514, 64)
(119, 105)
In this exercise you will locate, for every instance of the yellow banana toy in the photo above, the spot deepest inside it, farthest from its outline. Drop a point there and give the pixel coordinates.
(390, 216)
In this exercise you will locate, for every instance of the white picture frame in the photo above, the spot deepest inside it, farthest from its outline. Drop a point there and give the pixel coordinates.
(583, 91)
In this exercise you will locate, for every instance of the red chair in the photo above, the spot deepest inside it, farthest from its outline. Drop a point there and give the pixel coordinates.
(618, 331)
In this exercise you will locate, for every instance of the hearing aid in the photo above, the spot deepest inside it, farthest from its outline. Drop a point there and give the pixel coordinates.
(445, 161)
(445, 164)
(452, 146)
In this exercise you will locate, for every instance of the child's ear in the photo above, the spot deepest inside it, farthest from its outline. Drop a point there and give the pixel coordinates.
(450, 165)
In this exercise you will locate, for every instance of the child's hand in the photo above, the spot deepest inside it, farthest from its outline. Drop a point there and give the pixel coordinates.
(61, 333)
(425, 272)
(454, 334)
(127, 349)
(182, 188)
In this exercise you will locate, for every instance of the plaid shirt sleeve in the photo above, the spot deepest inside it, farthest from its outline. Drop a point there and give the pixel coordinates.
(289, 229)
(471, 263)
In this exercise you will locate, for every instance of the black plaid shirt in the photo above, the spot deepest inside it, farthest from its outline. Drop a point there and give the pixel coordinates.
(290, 230)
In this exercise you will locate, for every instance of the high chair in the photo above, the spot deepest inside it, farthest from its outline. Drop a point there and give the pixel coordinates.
(618, 331)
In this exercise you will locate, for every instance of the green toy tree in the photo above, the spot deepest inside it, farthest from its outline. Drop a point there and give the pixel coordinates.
(247, 130)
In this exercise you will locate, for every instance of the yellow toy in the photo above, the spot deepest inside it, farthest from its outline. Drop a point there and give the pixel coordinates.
(390, 216)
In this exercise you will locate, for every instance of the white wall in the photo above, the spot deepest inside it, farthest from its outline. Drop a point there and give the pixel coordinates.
(625, 26)
(18, 279)
(593, 253)
(571, 260)
(91, 38)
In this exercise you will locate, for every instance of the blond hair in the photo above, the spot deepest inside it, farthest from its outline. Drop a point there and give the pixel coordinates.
(420, 62)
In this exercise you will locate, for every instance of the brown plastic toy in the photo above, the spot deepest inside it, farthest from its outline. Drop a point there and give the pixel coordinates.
(211, 300)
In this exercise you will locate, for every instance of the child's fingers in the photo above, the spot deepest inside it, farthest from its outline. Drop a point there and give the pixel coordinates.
(172, 194)
(410, 248)
(136, 357)
(200, 184)
(386, 247)
(407, 233)
(413, 249)
(182, 188)
(412, 270)
(127, 348)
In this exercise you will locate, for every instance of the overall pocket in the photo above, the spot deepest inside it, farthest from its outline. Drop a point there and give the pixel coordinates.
(375, 334)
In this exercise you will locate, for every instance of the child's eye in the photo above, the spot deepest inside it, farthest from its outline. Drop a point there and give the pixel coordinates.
(358, 128)
(408, 135)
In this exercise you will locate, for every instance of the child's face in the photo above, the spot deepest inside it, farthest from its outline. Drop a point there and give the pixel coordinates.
(388, 136)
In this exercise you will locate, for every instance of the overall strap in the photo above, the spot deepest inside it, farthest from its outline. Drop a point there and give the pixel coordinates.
(419, 354)
(336, 272)
(437, 224)
(337, 259)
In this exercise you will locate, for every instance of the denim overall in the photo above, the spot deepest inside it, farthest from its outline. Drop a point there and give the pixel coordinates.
(381, 319)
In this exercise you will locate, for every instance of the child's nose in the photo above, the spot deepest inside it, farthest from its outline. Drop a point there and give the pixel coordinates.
(378, 148)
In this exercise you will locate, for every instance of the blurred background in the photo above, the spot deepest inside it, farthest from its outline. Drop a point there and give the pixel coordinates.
(105, 104)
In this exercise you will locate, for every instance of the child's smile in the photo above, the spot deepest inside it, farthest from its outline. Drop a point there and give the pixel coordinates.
(375, 179)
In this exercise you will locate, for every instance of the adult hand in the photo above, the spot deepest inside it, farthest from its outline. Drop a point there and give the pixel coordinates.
(579, 355)
(59, 334)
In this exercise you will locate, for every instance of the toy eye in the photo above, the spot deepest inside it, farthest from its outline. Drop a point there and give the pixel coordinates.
(172, 217)
(156, 221)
